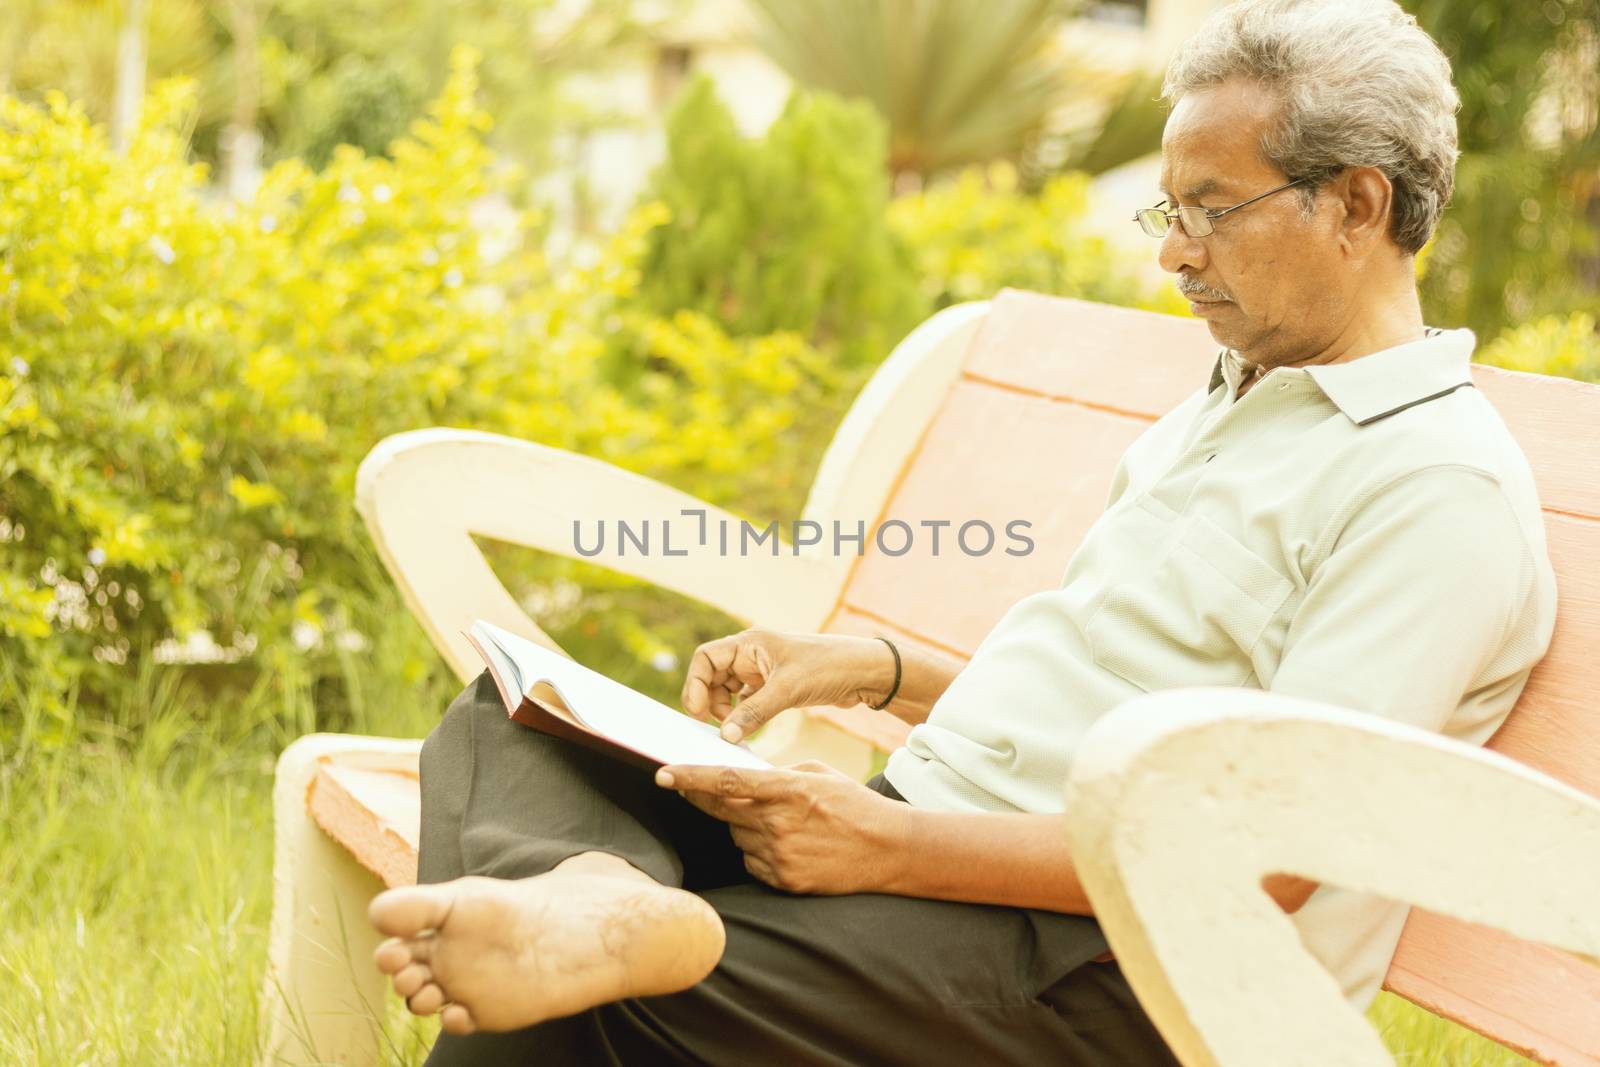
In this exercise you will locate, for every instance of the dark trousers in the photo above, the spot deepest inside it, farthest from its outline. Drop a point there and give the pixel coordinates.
(868, 978)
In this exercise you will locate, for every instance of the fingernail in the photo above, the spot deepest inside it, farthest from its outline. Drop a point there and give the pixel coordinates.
(730, 732)
(663, 778)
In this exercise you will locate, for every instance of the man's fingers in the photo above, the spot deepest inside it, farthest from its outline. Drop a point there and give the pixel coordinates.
(750, 714)
(695, 699)
(705, 700)
(709, 670)
(761, 870)
(724, 781)
(735, 811)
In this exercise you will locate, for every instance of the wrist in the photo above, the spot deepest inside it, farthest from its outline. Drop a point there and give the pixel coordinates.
(871, 671)
(891, 846)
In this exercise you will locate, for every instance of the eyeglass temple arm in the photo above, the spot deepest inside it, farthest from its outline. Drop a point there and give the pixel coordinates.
(1253, 199)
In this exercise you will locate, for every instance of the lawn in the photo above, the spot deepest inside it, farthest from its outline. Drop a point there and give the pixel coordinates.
(136, 858)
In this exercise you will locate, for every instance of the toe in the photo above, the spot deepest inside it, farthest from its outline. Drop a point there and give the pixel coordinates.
(426, 1001)
(457, 1020)
(421, 948)
(411, 979)
(411, 911)
(393, 956)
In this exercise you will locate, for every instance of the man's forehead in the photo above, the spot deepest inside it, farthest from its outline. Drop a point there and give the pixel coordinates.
(1212, 140)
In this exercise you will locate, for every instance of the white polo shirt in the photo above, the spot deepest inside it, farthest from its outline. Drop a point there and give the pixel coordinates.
(1365, 534)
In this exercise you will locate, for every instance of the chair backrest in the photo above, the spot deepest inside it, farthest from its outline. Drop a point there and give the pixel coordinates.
(1050, 394)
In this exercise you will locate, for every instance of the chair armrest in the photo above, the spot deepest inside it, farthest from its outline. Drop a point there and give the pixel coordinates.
(424, 494)
(322, 998)
(1179, 802)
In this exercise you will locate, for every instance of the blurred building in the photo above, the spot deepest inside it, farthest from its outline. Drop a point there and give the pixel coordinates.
(612, 165)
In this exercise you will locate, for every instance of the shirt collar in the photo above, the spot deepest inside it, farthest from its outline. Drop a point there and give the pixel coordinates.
(1385, 382)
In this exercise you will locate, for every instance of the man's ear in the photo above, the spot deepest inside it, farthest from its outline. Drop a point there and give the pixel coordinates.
(1368, 200)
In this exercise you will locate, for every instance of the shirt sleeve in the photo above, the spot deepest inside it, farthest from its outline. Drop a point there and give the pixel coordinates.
(1420, 592)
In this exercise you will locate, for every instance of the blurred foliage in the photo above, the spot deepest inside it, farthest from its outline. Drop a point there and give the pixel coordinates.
(785, 232)
(355, 72)
(958, 82)
(190, 385)
(980, 232)
(796, 231)
(188, 389)
(963, 83)
(1127, 127)
(1565, 346)
(1519, 238)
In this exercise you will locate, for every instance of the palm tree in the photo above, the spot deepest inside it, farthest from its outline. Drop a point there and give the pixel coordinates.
(959, 81)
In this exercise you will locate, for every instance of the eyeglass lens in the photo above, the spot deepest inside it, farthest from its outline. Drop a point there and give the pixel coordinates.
(1196, 223)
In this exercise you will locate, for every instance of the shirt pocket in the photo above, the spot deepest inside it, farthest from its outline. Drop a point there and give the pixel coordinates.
(1192, 619)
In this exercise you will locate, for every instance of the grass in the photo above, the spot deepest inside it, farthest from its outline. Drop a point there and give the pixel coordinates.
(1418, 1038)
(135, 861)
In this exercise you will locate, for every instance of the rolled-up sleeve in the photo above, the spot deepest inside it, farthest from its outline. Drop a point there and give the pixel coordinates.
(1414, 604)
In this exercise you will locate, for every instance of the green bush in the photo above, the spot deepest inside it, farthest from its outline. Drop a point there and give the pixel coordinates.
(356, 72)
(788, 232)
(1568, 347)
(189, 386)
(796, 231)
(980, 232)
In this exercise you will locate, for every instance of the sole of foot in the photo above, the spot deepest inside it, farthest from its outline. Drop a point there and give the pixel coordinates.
(500, 954)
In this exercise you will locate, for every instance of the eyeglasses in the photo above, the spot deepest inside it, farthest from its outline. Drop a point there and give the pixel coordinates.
(1155, 221)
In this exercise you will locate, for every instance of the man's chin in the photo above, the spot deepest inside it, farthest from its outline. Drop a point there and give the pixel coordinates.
(1221, 320)
(1220, 332)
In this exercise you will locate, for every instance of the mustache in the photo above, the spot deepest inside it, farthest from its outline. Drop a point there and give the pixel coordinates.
(1191, 286)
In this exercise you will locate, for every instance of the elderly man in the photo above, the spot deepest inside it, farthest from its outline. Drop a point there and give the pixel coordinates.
(1337, 515)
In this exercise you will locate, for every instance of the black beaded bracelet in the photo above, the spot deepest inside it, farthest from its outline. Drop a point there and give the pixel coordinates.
(896, 687)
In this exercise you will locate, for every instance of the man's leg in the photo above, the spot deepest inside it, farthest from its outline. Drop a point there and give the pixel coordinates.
(551, 877)
(859, 979)
(855, 980)
(505, 801)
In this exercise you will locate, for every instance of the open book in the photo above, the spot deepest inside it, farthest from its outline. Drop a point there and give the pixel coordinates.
(549, 692)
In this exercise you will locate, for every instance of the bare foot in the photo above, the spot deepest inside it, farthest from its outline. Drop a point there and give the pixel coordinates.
(499, 954)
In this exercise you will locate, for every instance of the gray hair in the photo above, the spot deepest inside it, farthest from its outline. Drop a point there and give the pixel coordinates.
(1362, 85)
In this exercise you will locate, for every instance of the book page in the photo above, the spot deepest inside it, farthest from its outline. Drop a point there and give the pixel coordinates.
(615, 711)
(502, 670)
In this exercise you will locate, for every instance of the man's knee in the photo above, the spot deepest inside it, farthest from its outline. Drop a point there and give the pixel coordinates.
(447, 741)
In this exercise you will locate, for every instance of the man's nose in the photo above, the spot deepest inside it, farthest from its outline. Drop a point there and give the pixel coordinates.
(1180, 252)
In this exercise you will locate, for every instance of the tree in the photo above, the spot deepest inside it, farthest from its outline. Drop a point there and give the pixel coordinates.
(129, 93)
(959, 82)
(787, 232)
(1519, 235)
(308, 75)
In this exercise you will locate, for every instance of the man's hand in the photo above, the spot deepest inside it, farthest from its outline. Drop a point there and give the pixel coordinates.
(804, 829)
(771, 672)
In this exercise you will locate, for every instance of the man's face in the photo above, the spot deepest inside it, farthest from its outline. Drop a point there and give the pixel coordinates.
(1269, 283)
